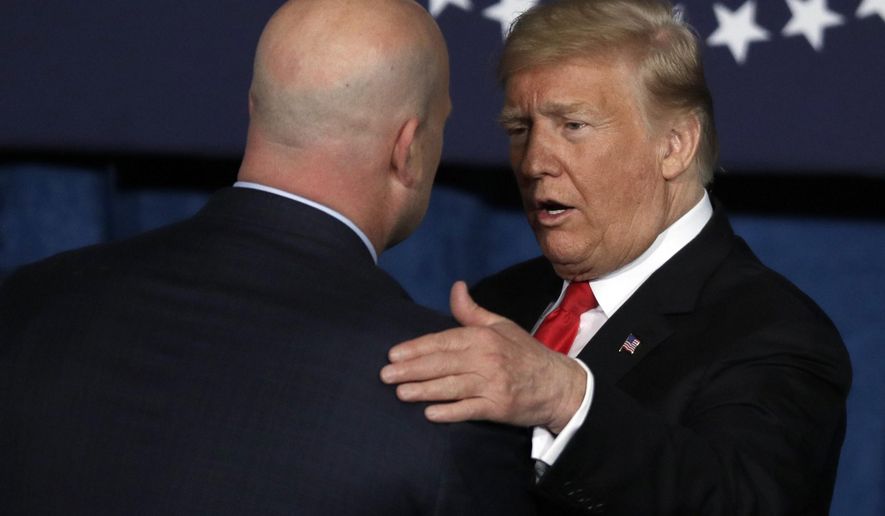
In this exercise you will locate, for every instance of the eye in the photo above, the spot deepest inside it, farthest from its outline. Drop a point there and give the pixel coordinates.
(515, 131)
(574, 126)
(515, 128)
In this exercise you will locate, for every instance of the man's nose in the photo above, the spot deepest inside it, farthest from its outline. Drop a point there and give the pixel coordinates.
(538, 158)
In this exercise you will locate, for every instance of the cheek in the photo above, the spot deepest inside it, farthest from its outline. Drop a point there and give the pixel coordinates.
(620, 174)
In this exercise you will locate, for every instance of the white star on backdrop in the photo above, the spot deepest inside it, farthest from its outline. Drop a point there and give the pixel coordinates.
(737, 29)
(438, 6)
(871, 7)
(810, 19)
(505, 11)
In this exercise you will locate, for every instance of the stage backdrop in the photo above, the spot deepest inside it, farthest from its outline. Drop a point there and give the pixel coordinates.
(798, 84)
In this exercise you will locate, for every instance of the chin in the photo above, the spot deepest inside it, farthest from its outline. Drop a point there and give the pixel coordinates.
(572, 271)
(566, 267)
(568, 262)
(559, 248)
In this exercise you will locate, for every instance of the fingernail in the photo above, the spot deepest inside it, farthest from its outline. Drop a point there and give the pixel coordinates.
(405, 392)
(388, 374)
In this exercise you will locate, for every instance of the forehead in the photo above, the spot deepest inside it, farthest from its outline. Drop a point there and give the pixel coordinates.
(598, 84)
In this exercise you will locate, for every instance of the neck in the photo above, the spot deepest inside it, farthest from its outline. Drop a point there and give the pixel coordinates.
(323, 177)
(684, 196)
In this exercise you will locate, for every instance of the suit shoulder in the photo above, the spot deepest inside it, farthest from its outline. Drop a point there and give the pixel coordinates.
(418, 319)
(35, 279)
(764, 313)
(104, 253)
(743, 279)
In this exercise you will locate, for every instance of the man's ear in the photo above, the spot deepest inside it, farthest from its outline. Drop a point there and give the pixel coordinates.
(680, 145)
(401, 159)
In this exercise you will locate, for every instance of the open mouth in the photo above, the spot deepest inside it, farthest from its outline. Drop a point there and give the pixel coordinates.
(553, 207)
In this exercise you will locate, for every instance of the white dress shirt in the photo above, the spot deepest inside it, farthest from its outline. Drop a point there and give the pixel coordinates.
(313, 204)
(612, 291)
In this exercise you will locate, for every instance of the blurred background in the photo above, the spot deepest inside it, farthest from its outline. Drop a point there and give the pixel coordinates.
(118, 117)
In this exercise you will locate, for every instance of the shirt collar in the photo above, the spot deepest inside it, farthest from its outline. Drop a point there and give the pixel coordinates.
(297, 198)
(613, 289)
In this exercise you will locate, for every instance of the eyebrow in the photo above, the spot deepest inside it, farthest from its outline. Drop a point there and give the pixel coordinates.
(551, 109)
(510, 115)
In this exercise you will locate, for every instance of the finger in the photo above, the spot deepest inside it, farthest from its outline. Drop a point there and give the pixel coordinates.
(424, 345)
(446, 388)
(471, 409)
(426, 367)
(466, 311)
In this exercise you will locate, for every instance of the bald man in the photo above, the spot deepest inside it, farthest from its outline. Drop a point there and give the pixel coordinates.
(228, 364)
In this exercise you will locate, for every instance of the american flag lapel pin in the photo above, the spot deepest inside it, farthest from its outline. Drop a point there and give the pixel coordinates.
(630, 344)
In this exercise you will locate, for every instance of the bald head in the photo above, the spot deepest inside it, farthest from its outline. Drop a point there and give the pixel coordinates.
(344, 70)
(348, 103)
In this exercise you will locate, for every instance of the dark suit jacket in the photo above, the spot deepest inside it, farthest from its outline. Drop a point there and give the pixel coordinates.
(733, 403)
(229, 365)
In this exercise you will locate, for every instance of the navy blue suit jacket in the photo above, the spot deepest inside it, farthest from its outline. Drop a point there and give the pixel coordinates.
(732, 404)
(228, 364)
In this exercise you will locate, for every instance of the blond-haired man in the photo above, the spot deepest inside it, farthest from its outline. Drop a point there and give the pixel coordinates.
(693, 380)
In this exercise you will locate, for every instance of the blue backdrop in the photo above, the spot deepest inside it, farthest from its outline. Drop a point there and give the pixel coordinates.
(116, 117)
(797, 84)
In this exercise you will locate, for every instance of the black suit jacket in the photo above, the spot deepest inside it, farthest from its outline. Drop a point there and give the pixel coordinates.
(733, 402)
(229, 364)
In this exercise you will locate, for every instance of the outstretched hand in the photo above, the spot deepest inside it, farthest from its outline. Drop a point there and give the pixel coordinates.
(489, 369)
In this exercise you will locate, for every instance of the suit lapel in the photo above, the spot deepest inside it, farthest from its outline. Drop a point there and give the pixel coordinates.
(605, 354)
(532, 305)
(521, 293)
(650, 313)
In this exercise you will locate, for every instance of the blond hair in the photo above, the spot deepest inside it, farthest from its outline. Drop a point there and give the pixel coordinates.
(665, 49)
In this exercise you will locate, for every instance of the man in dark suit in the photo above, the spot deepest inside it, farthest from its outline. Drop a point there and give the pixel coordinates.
(692, 379)
(228, 364)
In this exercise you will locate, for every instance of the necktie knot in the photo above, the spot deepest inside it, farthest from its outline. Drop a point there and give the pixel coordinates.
(578, 298)
(560, 327)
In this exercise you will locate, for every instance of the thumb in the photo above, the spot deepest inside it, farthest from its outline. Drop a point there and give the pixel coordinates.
(466, 311)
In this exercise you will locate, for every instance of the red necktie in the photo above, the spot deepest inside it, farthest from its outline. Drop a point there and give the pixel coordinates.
(560, 327)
